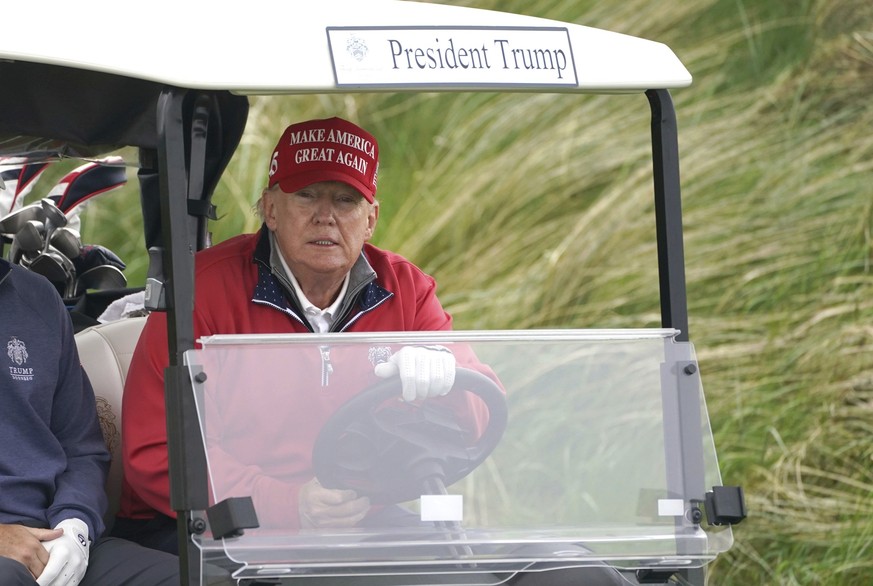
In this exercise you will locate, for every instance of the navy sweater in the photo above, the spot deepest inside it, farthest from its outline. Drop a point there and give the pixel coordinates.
(53, 461)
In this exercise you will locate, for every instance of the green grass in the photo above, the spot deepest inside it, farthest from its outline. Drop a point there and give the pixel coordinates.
(536, 211)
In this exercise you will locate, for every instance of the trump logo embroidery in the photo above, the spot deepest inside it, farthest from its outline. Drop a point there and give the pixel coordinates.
(17, 353)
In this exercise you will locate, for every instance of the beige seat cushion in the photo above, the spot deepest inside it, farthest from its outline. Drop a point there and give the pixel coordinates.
(105, 351)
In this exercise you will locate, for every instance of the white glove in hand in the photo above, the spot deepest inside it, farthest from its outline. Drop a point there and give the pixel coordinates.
(425, 371)
(68, 555)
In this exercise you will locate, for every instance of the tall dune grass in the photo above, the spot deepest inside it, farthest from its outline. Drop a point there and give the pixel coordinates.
(536, 211)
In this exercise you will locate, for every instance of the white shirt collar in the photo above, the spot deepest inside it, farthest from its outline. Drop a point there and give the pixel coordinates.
(319, 319)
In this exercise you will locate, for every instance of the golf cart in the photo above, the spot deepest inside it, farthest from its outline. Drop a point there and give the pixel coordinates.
(625, 483)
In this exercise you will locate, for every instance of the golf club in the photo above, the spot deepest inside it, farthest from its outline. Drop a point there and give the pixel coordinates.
(100, 277)
(13, 222)
(30, 236)
(67, 241)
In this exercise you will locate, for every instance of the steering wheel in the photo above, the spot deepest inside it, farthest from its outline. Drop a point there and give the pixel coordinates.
(393, 451)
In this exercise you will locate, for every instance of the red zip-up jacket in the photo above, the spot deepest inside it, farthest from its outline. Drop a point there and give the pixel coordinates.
(237, 292)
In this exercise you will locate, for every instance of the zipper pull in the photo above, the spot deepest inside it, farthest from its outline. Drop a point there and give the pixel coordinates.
(326, 366)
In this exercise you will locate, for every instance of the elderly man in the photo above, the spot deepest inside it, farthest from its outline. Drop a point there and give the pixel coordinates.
(309, 269)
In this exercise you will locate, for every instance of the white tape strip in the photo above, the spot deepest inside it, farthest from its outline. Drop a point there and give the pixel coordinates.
(445, 507)
(671, 507)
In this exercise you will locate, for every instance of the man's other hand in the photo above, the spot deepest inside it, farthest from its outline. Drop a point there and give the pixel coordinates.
(321, 507)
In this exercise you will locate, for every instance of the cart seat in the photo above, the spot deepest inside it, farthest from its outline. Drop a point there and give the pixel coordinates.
(105, 351)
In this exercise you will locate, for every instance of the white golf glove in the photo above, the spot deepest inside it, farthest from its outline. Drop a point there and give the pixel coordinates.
(425, 371)
(68, 555)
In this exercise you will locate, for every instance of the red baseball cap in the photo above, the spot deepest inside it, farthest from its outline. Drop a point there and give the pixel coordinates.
(330, 149)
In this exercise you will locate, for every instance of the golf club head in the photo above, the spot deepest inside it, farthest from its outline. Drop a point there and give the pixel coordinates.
(58, 269)
(100, 277)
(19, 255)
(30, 236)
(13, 222)
(50, 266)
(54, 217)
(69, 274)
(15, 251)
(67, 241)
(26, 258)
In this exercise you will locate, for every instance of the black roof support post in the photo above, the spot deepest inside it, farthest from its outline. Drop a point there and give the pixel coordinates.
(197, 169)
(668, 213)
(671, 275)
(187, 463)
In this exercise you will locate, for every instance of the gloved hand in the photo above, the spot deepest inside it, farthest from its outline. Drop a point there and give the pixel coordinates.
(425, 371)
(68, 555)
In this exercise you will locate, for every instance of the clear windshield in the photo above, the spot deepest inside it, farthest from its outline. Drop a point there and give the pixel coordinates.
(554, 448)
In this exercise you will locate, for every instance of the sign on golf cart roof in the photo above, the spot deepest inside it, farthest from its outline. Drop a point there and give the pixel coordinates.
(468, 56)
(264, 47)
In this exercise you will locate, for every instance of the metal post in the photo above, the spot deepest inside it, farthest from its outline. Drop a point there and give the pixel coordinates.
(668, 213)
(187, 464)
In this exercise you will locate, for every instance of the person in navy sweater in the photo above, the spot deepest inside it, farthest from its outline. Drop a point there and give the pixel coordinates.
(53, 460)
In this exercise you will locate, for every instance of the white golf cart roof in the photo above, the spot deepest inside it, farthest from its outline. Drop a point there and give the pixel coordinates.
(337, 45)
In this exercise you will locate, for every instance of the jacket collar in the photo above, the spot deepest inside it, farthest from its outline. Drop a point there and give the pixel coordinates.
(275, 290)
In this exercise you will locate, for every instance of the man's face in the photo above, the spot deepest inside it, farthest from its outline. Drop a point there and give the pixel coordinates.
(320, 229)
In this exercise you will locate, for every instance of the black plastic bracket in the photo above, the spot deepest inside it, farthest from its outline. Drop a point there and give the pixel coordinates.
(650, 576)
(155, 291)
(205, 209)
(231, 516)
(725, 505)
